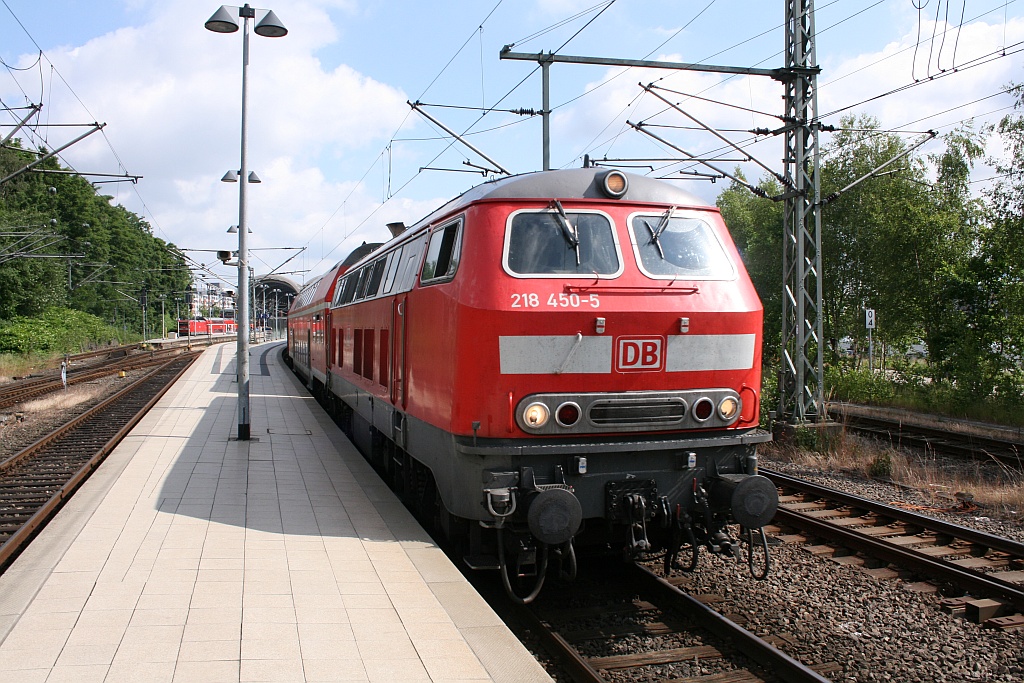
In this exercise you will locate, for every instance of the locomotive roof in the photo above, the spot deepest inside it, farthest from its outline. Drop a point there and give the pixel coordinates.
(575, 183)
(358, 254)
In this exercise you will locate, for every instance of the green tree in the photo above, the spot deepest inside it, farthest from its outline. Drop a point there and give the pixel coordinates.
(756, 227)
(1001, 261)
(104, 257)
(877, 237)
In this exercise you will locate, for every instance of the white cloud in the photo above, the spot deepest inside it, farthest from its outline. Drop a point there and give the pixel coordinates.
(617, 96)
(170, 93)
(898, 64)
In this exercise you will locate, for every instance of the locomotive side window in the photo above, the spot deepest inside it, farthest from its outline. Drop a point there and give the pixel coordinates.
(409, 267)
(396, 261)
(376, 275)
(364, 279)
(339, 291)
(669, 247)
(442, 254)
(351, 280)
(540, 243)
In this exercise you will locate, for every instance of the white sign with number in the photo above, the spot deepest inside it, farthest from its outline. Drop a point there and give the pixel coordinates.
(869, 318)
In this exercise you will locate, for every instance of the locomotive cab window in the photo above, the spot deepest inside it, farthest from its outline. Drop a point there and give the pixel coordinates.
(556, 242)
(671, 246)
(442, 254)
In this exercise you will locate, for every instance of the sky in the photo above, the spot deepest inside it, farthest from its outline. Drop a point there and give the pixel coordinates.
(341, 153)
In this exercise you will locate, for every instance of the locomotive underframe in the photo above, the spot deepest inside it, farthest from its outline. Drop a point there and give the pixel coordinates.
(670, 472)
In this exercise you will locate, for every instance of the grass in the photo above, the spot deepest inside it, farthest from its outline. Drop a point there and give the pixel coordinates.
(62, 400)
(994, 486)
(1002, 405)
(943, 402)
(20, 365)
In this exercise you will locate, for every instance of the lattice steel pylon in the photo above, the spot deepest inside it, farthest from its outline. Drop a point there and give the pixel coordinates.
(801, 380)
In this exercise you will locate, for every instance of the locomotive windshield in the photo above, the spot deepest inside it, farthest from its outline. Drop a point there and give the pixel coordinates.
(557, 243)
(679, 247)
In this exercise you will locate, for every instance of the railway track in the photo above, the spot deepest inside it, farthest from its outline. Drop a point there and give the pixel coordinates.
(631, 638)
(983, 573)
(688, 635)
(35, 482)
(899, 429)
(93, 365)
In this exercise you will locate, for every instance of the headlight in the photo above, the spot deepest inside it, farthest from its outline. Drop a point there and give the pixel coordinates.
(536, 415)
(614, 184)
(728, 408)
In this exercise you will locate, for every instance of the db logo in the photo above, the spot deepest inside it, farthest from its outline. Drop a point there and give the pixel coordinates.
(639, 354)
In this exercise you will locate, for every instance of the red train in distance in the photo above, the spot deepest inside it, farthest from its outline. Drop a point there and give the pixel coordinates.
(550, 361)
(205, 326)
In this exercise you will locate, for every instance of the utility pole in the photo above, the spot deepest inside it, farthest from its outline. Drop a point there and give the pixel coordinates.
(801, 382)
(144, 300)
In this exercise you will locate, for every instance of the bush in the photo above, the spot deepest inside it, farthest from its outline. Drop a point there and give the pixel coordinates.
(881, 466)
(859, 386)
(769, 395)
(57, 330)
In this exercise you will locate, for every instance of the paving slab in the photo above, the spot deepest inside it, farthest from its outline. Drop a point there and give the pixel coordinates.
(192, 556)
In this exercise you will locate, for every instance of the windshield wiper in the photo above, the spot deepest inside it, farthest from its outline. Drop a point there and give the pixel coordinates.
(656, 232)
(571, 234)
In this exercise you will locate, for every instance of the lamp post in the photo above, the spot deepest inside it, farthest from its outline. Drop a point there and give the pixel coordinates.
(224, 21)
(163, 320)
(277, 311)
(263, 319)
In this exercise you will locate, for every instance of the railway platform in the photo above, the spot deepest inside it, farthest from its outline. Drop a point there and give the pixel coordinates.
(191, 556)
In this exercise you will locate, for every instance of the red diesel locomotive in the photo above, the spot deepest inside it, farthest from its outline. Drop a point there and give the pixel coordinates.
(551, 360)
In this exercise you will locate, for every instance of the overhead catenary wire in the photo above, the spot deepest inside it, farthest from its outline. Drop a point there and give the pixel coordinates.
(978, 61)
(393, 139)
(392, 187)
(634, 102)
(493, 107)
(893, 55)
(55, 72)
(960, 68)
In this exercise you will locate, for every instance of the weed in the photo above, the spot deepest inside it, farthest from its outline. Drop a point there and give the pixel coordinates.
(881, 466)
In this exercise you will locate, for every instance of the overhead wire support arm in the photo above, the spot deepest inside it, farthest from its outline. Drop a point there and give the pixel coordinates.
(691, 157)
(930, 135)
(546, 59)
(696, 174)
(417, 107)
(32, 111)
(52, 153)
(298, 250)
(542, 57)
(101, 269)
(457, 170)
(651, 88)
(117, 176)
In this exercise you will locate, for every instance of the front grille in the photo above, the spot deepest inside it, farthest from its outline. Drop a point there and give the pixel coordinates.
(637, 412)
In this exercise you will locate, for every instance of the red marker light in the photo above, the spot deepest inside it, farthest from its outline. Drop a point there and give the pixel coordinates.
(567, 414)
